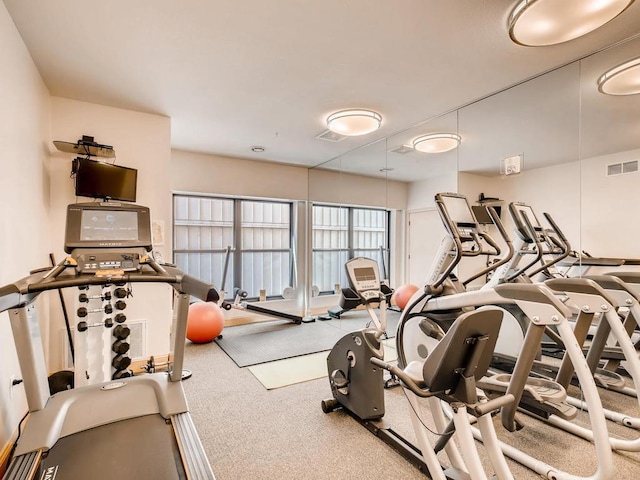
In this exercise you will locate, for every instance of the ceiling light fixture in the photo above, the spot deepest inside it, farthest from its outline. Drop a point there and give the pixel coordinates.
(621, 80)
(538, 23)
(436, 142)
(354, 122)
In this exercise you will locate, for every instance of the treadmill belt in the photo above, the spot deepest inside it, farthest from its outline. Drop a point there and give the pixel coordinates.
(134, 449)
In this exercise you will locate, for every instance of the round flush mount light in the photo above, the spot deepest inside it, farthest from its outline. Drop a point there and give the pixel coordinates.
(436, 142)
(621, 80)
(548, 22)
(354, 122)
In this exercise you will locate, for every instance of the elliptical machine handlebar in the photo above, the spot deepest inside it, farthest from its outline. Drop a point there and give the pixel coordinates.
(473, 234)
(507, 240)
(537, 236)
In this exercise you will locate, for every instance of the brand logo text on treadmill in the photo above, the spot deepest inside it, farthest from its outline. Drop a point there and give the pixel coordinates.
(50, 473)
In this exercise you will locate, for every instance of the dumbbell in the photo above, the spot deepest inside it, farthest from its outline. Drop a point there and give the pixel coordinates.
(84, 298)
(120, 362)
(120, 347)
(83, 312)
(84, 326)
(122, 374)
(121, 304)
(121, 293)
(121, 332)
(121, 318)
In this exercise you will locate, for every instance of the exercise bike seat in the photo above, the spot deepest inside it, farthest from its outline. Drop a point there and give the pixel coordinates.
(460, 359)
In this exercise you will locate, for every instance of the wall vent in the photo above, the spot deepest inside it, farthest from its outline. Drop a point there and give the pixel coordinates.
(402, 149)
(621, 168)
(330, 136)
(137, 340)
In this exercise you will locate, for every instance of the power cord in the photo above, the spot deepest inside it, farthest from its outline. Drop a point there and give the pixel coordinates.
(15, 444)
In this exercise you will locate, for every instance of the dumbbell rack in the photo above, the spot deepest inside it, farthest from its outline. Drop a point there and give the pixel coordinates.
(101, 335)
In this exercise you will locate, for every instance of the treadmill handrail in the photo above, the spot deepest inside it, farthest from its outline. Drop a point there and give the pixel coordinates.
(27, 289)
(477, 238)
(495, 218)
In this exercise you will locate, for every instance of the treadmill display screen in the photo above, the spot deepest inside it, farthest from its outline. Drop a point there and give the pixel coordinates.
(97, 225)
(530, 215)
(107, 225)
(366, 274)
(458, 210)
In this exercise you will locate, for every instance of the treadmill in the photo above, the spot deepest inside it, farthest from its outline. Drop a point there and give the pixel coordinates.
(130, 428)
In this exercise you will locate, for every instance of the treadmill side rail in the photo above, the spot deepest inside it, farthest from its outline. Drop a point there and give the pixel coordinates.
(194, 458)
(23, 467)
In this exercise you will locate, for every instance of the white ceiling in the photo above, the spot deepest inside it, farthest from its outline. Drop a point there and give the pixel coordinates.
(232, 74)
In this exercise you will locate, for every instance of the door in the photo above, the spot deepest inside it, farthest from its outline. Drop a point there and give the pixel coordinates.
(425, 232)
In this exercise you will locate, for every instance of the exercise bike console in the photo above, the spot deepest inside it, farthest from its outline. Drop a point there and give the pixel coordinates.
(364, 278)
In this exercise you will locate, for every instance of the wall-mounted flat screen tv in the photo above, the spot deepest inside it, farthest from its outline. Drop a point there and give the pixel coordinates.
(104, 180)
(481, 213)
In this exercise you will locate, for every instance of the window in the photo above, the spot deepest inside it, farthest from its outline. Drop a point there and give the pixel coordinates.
(257, 232)
(341, 233)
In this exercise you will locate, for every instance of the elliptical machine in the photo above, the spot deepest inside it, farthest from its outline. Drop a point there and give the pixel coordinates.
(448, 374)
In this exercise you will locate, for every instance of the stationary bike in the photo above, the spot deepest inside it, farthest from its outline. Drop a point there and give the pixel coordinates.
(448, 374)
(348, 362)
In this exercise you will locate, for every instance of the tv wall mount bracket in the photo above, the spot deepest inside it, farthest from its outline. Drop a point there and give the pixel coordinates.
(86, 146)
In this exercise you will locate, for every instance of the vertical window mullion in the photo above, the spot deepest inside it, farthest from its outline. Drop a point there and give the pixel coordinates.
(237, 244)
(350, 232)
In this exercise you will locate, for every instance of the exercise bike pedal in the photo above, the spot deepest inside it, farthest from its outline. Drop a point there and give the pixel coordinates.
(339, 382)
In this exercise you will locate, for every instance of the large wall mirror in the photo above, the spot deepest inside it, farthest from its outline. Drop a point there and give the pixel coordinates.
(425, 157)
(610, 154)
(522, 145)
(555, 142)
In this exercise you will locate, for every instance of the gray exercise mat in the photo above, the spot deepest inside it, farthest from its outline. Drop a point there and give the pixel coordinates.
(249, 345)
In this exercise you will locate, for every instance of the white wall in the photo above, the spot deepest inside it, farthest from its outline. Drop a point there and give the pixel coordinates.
(330, 186)
(200, 173)
(555, 190)
(24, 198)
(421, 194)
(141, 141)
(610, 226)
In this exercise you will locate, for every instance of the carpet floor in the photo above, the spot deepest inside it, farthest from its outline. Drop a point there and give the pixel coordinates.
(250, 432)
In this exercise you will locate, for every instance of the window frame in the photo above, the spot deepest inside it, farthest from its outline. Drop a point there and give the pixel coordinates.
(350, 248)
(234, 276)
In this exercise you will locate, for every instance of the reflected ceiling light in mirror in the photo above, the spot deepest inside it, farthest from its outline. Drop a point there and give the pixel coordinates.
(354, 122)
(436, 142)
(537, 23)
(621, 80)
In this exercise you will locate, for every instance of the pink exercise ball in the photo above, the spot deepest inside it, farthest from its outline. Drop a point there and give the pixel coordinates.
(403, 294)
(205, 322)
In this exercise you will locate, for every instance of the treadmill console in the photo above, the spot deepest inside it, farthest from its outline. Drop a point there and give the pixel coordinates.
(518, 210)
(460, 214)
(107, 236)
(364, 278)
